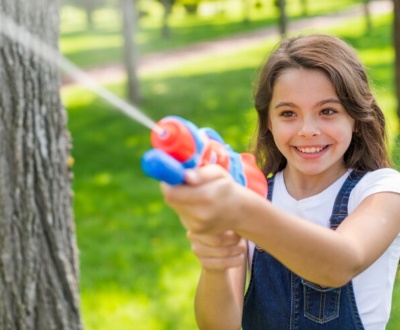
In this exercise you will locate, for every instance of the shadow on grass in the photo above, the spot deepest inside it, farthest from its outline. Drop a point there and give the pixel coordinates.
(95, 57)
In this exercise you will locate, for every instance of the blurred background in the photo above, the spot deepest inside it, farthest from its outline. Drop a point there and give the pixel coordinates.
(197, 59)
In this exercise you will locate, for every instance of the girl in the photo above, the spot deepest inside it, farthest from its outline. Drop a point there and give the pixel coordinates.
(323, 249)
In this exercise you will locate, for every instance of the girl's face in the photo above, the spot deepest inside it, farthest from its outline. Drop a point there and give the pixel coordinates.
(310, 126)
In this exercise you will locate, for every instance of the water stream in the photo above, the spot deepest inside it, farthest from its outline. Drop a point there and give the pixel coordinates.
(37, 46)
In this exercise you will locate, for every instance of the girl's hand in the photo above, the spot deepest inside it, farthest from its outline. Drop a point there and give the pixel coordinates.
(219, 252)
(207, 202)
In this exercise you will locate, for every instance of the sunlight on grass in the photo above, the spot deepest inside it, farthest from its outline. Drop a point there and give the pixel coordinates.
(77, 96)
(93, 42)
(73, 20)
(117, 308)
(370, 58)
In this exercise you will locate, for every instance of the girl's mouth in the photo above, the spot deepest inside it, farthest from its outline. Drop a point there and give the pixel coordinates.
(311, 150)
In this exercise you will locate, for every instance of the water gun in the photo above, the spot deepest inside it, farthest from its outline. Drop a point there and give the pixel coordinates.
(180, 145)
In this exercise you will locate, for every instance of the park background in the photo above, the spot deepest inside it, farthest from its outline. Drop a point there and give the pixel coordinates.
(136, 267)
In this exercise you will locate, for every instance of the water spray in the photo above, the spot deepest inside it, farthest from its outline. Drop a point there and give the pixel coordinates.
(178, 143)
(32, 43)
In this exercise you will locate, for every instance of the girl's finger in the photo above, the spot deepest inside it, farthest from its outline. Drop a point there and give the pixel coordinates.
(221, 264)
(227, 238)
(201, 250)
(205, 174)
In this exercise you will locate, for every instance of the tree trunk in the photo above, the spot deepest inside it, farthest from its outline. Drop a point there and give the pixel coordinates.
(89, 18)
(367, 14)
(281, 4)
(131, 54)
(165, 30)
(38, 253)
(304, 7)
(246, 11)
(396, 40)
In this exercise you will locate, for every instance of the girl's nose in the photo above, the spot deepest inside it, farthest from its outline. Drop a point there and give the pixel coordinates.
(309, 128)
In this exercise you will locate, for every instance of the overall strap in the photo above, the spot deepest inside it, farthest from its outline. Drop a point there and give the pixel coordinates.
(271, 181)
(340, 210)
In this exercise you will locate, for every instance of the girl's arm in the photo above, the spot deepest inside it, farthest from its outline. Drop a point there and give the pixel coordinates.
(219, 296)
(212, 203)
(318, 254)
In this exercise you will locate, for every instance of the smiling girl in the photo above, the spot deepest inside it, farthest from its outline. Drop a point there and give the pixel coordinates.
(323, 248)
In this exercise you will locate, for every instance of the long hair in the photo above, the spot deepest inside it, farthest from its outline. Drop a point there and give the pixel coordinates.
(367, 150)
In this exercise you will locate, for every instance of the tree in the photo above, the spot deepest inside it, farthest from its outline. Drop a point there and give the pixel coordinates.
(304, 7)
(191, 6)
(396, 40)
(281, 5)
(246, 11)
(129, 19)
(38, 253)
(367, 14)
(167, 4)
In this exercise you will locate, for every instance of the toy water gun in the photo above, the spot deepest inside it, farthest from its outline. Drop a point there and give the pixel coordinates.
(180, 145)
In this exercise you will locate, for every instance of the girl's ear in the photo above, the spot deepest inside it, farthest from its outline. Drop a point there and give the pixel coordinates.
(269, 123)
(355, 128)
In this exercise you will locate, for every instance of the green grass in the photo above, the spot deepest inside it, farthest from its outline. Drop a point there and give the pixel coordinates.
(137, 270)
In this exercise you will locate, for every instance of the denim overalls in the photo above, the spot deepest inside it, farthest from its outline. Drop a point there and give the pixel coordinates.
(278, 299)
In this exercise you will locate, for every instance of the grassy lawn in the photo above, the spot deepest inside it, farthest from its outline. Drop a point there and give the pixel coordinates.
(137, 270)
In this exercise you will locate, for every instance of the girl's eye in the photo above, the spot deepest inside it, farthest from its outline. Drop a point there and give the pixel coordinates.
(287, 114)
(328, 112)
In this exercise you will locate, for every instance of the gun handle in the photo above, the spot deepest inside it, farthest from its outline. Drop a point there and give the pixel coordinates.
(160, 166)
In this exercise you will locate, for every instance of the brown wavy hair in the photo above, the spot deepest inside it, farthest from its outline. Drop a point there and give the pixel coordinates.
(332, 55)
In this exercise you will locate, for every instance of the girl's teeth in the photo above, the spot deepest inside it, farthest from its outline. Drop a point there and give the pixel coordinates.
(310, 150)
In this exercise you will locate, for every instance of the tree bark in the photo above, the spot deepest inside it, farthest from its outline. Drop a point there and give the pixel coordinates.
(38, 252)
(396, 41)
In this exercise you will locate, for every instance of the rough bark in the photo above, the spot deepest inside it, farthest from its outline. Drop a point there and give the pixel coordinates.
(38, 253)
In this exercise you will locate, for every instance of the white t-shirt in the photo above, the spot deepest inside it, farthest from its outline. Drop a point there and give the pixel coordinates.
(373, 287)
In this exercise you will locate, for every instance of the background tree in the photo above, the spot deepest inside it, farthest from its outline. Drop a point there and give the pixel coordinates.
(167, 4)
(129, 24)
(396, 40)
(367, 14)
(246, 4)
(282, 19)
(38, 263)
(191, 6)
(304, 7)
